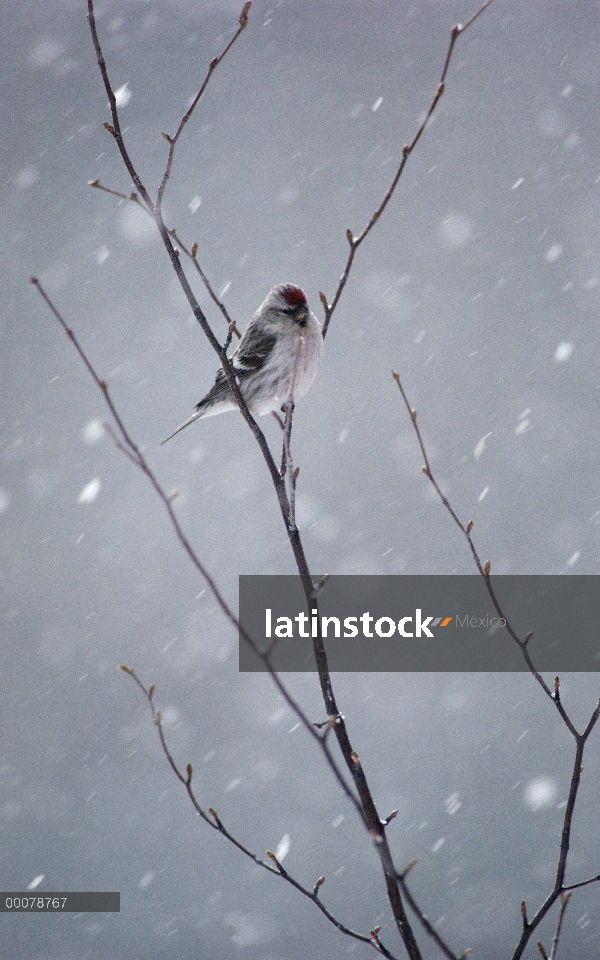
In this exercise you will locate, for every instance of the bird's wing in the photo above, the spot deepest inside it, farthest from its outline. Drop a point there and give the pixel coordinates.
(253, 351)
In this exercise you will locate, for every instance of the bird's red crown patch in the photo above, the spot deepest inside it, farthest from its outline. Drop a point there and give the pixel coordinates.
(294, 296)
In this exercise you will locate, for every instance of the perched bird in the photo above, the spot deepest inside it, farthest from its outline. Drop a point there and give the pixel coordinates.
(276, 360)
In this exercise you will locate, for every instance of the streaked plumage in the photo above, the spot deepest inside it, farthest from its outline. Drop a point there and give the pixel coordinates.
(276, 359)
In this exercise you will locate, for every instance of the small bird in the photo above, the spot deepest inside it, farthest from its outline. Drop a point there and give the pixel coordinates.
(276, 360)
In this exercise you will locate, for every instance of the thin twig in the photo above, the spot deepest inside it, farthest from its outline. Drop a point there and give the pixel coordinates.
(127, 445)
(214, 63)
(174, 256)
(215, 822)
(483, 568)
(369, 813)
(564, 901)
(580, 738)
(287, 464)
(424, 921)
(582, 883)
(355, 241)
(189, 252)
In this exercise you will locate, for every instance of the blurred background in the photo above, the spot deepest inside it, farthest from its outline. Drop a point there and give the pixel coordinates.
(479, 285)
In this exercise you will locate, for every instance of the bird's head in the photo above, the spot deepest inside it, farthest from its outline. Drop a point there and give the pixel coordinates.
(287, 301)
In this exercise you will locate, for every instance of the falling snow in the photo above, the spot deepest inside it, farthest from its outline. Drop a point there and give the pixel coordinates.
(123, 95)
(283, 847)
(540, 794)
(563, 351)
(553, 253)
(90, 491)
(481, 445)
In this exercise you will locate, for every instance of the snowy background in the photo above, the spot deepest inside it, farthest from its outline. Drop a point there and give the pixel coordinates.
(480, 285)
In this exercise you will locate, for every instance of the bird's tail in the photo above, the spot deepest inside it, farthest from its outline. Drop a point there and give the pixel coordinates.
(186, 423)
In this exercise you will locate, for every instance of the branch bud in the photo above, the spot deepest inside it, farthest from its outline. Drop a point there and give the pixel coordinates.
(94, 183)
(128, 670)
(425, 471)
(469, 526)
(151, 690)
(391, 816)
(528, 636)
(323, 300)
(355, 760)
(194, 248)
(166, 137)
(487, 567)
(350, 237)
(318, 885)
(189, 771)
(272, 857)
(110, 128)
(215, 816)
(524, 913)
(540, 947)
(375, 933)
(243, 21)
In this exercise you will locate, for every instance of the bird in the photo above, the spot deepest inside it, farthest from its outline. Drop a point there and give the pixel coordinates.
(275, 361)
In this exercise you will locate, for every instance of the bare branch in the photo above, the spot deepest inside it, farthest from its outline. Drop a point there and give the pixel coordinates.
(483, 568)
(368, 810)
(407, 149)
(191, 253)
(215, 822)
(422, 918)
(582, 883)
(115, 128)
(127, 445)
(214, 63)
(580, 738)
(564, 900)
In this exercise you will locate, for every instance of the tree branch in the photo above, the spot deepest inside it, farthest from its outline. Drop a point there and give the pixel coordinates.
(127, 445)
(580, 738)
(368, 811)
(191, 253)
(422, 918)
(215, 822)
(214, 63)
(407, 149)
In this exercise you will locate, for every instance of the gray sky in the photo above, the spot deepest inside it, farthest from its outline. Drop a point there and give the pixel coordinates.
(480, 286)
